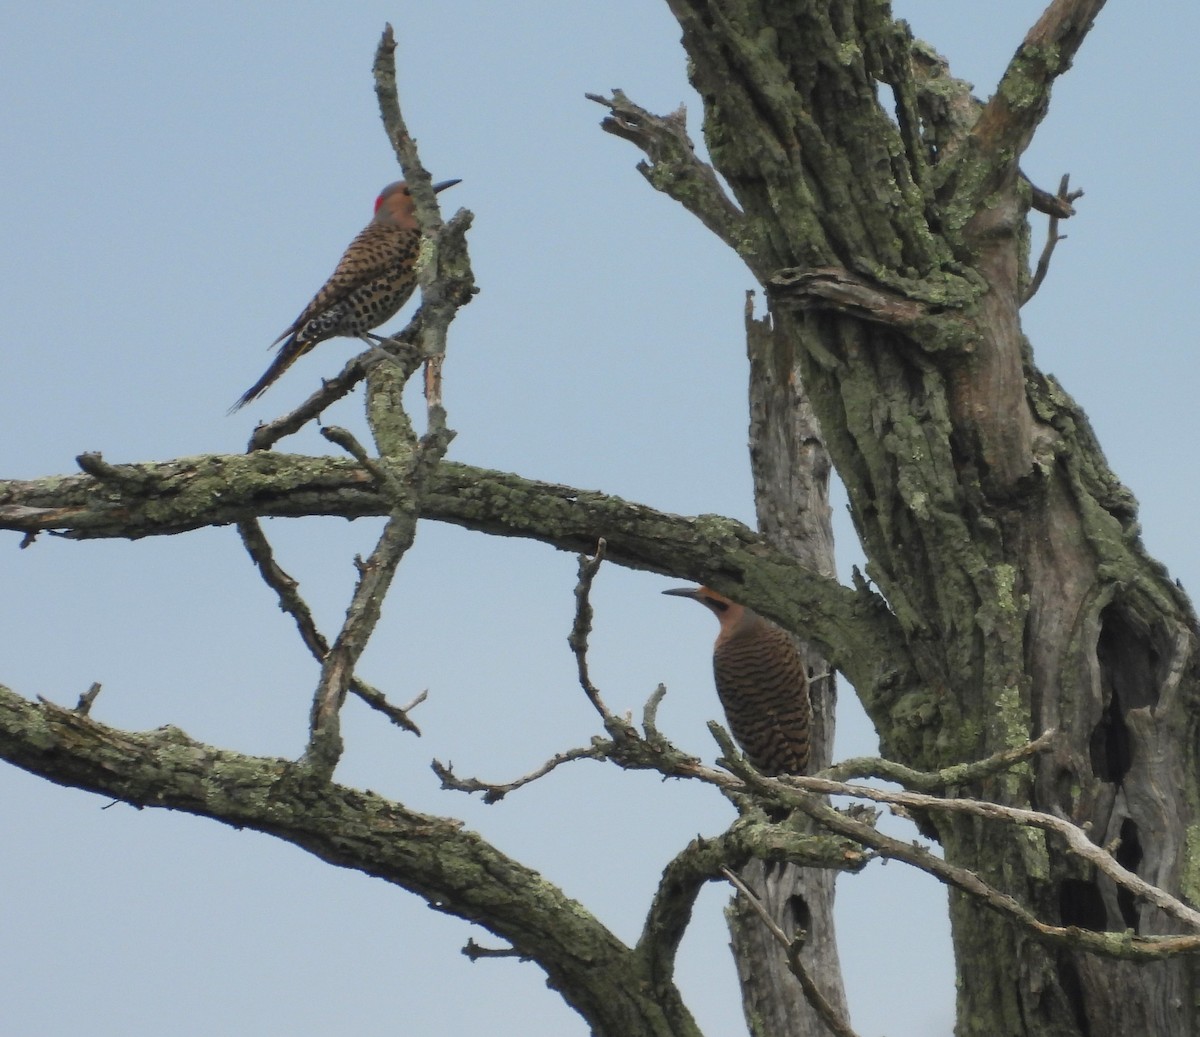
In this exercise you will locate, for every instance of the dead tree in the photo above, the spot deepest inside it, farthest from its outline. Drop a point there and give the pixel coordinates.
(1030, 670)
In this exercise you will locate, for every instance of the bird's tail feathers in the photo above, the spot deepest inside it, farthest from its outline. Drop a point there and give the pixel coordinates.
(291, 351)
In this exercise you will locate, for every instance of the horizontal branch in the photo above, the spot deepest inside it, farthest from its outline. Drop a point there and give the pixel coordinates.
(454, 870)
(932, 781)
(160, 498)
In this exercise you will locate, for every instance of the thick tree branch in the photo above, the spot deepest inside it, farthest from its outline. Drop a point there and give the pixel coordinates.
(675, 169)
(170, 497)
(452, 869)
(1022, 98)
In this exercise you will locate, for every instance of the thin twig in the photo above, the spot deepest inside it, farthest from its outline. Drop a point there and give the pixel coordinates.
(475, 951)
(398, 715)
(402, 346)
(495, 793)
(808, 790)
(792, 948)
(84, 706)
(931, 781)
(1075, 837)
(401, 471)
(286, 587)
(287, 590)
(337, 669)
(1065, 197)
(442, 292)
(266, 435)
(582, 627)
(339, 436)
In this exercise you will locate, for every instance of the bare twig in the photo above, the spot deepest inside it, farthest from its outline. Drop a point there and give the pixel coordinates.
(339, 436)
(806, 792)
(1113, 945)
(930, 781)
(415, 174)
(792, 948)
(1065, 197)
(441, 294)
(84, 706)
(401, 346)
(494, 793)
(287, 589)
(475, 951)
(333, 389)
(337, 668)
(285, 586)
(402, 471)
(1075, 837)
(582, 627)
(398, 715)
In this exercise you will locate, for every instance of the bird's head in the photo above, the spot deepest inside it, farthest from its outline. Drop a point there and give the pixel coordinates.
(395, 205)
(733, 617)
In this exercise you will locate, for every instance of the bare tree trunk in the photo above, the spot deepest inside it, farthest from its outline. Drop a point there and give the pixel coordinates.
(791, 492)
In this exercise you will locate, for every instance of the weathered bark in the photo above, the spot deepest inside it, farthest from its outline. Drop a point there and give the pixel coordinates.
(453, 869)
(1012, 593)
(1004, 546)
(163, 498)
(791, 492)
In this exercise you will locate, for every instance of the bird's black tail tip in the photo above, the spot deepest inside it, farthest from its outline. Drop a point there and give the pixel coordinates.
(246, 397)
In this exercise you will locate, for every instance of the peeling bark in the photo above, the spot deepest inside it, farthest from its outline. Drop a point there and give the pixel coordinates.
(1010, 590)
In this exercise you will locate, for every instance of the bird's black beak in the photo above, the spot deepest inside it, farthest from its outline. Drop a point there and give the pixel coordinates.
(684, 592)
(444, 184)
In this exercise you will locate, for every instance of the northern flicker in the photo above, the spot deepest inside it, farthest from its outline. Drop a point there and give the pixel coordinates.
(372, 281)
(762, 684)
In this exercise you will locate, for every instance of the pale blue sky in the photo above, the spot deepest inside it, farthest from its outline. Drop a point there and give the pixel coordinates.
(179, 179)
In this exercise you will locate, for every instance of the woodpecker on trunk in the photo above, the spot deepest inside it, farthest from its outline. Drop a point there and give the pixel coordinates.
(762, 684)
(372, 281)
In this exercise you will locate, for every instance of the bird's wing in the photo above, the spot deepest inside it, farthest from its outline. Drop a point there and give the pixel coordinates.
(372, 253)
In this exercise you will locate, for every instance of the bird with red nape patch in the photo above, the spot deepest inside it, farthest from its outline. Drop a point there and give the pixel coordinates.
(373, 279)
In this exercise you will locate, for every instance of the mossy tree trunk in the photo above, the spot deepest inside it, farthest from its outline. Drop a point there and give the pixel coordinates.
(1011, 594)
(894, 245)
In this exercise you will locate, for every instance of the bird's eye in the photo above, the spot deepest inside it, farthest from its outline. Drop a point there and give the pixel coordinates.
(715, 605)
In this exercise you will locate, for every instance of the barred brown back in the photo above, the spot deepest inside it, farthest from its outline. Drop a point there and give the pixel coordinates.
(762, 684)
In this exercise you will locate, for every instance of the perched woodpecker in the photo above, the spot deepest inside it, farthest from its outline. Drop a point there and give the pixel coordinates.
(762, 684)
(372, 281)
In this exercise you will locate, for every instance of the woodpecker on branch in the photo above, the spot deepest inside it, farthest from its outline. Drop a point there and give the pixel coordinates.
(762, 683)
(372, 281)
